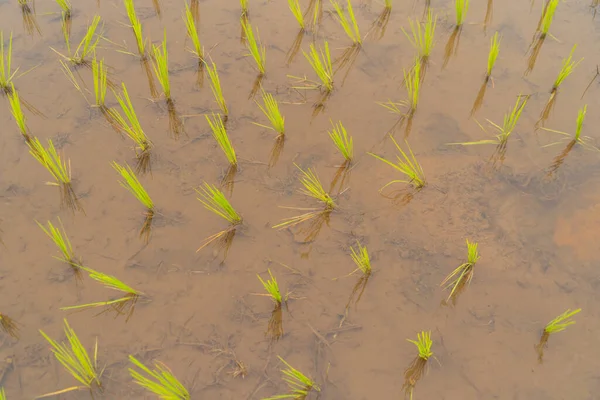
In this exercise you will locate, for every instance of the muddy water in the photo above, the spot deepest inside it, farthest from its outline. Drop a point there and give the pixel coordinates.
(536, 233)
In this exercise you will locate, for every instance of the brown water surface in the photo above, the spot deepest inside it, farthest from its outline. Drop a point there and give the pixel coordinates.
(537, 232)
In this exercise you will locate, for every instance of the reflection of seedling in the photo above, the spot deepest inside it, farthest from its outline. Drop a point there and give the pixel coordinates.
(422, 35)
(406, 165)
(136, 26)
(215, 201)
(215, 86)
(123, 305)
(275, 327)
(379, 26)
(86, 47)
(458, 279)
(568, 65)
(418, 367)
(131, 126)
(133, 185)
(61, 240)
(9, 326)
(75, 359)
(17, 112)
(299, 384)
(197, 49)
(297, 11)
(558, 324)
(159, 381)
(57, 167)
(348, 22)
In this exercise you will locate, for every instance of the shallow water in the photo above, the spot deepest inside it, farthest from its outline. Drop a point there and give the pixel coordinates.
(536, 233)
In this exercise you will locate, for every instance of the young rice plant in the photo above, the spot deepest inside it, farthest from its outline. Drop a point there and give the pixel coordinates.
(297, 11)
(160, 62)
(256, 50)
(458, 279)
(320, 61)
(418, 367)
(17, 112)
(568, 66)
(99, 75)
(159, 381)
(558, 324)
(342, 141)
(192, 33)
(58, 235)
(299, 384)
(270, 108)
(407, 165)
(215, 87)
(86, 47)
(348, 22)
(422, 35)
(548, 16)
(6, 75)
(461, 6)
(220, 134)
(215, 201)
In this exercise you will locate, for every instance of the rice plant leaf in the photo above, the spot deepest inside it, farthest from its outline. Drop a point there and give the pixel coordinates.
(220, 134)
(133, 185)
(215, 201)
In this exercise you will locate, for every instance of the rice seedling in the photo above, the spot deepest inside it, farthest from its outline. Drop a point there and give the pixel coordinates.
(59, 168)
(348, 22)
(220, 134)
(160, 62)
(136, 26)
(197, 49)
(215, 87)
(542, 31)
(493, 55)
(28, 14)
(9, 326)
(87, 45)
(297, 12)
(66, 14)
(407, 165)
(342, 141)
(270, 108)
(412, 83)
(299, 384)
(75, 359)
(418, 367)
(320, 61)
(6, 75)
(275, 327)
(568, 66)
(58, 235)
(159, 381)
(461, 7)
(244, 6)
(17, 112)
(215, 201)
(558, 324)
(130, 125)
(255, 49)
(360, 256)
(2, 394)
(133, 185)
(422, 35)
(99, 76)
(461, 277)
(548, 16)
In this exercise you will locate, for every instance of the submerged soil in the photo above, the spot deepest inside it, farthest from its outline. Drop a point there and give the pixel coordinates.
(536, 231)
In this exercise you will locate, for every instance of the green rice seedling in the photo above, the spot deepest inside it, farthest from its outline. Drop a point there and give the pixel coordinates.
(418, 367)
(86, 47)
(255, 49)
(215, 86)
(17, 112)
(313, 188)
(568, 66)
(244, 6)
(320, 61)
(360, 256)
(493, 55)
(215, 201)
(489, 15)
(75, 359)
(422, 35)
(558, 324)
(348, 22)
(547, 17)
(59, 168)
(123, 305)
(275, 327)
(130, 125)
(136, 26)
(2, 394)
(461, 277)
(461, 6)
(61, 240)
(412, 83)
(297, 12)
(9, 326)
(220, 134)
(299, 384)
(270, 108)
(342, 141)
(407, 165)
(6, 75)
(197, 50)
(159, 381)
(133, 185)
(160, 63)
(99, 76)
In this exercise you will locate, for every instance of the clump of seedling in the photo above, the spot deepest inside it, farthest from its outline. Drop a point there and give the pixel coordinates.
(422, 36)
(133, 185)
(160, 62)
(360, 256)
(541, 33)
(220, 134)
(344, 143)
(136, 26)
(28, 14)
(275, 327)
(568, 66)
(408, 166)
(87, 46)
(75, 359)
(461, 7)
(9, 326)
(130, 125)
(380, 24)
(6, 75)
(348, 22)
(59, 236)
(17, 112)
(558, 324)
(59, 168)
(418, 367)
(407, 108)
(492, 57)
(508, 126)
(100, 79)
(320, 61)
(215, 87)
(297, 12)
(270, 108)
(215, 201)
(66, 12)
(192, 32)
(299, 384)
(312, 187)
(461, 277)
(123, 305)
(257, 51)
(159, 381)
